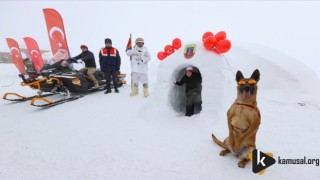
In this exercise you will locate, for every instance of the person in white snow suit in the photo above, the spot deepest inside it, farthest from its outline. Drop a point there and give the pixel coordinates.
(139, 67)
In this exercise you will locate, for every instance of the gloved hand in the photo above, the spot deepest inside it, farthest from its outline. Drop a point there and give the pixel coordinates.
(72, 60)
(137, 51)
(138, 57)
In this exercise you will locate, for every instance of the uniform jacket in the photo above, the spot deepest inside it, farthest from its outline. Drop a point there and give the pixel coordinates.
(140, 59)
(109, 58)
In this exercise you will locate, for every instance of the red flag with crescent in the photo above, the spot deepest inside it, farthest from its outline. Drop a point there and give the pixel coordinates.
(56, 33)
(34, 52)
(129, 45)
(16, 55)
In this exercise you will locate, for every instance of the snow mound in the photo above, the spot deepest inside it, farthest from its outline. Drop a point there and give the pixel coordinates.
(278, 74)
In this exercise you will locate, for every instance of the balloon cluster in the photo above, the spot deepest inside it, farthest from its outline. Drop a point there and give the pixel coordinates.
(216, 43)
(169, 49)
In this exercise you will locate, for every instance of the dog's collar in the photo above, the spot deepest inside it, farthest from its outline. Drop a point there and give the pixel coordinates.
(250, 106)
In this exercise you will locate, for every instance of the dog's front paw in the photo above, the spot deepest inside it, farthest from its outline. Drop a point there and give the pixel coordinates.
(242, 163)
(236, 148)
(224, 152)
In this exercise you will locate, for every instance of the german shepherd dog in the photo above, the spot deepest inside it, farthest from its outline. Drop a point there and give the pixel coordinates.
(243, 120)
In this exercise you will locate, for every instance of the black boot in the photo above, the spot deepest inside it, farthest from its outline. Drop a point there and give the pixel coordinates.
(116, 90)
(108, 91)
(190, 110)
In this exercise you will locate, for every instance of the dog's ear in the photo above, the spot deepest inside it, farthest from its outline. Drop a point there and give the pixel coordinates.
(256, 75)
(239, 76)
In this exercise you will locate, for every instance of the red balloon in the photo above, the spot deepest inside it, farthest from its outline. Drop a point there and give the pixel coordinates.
(205, 35)
(210, 43)
(223, 46)
(220, 36)
(176, 43)
(169, 49)
(161, 55)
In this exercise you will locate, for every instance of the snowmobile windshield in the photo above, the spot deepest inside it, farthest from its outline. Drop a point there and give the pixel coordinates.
(60, 66)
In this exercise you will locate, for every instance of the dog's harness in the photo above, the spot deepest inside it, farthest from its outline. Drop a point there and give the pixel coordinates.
(249, 106)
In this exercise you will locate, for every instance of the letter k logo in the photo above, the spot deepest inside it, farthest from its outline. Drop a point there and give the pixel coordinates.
(261, 161)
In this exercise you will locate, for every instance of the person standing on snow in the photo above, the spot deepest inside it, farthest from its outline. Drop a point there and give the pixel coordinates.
(139, 66)
(90, 64)
(193, 83)
(110, 62)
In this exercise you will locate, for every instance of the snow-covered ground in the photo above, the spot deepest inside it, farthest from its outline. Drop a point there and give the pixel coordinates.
(116, 136)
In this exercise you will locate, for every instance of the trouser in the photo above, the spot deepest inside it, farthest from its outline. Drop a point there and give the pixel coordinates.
(90, 72)
(193, 99)
(139, 77)
(108, 72)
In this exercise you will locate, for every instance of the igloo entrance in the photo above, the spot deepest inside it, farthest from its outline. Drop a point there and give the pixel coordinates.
(178, 95)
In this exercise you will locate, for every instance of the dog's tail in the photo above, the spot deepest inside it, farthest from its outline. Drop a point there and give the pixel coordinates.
(217, 141)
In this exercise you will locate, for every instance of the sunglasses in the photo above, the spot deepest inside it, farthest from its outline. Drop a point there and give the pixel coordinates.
(251, 82)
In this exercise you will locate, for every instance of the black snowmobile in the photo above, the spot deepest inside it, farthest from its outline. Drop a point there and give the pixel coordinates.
(59, 79)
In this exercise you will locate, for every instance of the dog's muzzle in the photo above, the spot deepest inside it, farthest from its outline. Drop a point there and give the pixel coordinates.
(246, 90)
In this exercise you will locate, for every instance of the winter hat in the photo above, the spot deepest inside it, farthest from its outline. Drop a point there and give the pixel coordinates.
(189, 69)
(83, 46)
(107, 40)
(139, 39)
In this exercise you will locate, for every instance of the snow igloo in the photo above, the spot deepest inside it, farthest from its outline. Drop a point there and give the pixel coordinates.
(207, 63)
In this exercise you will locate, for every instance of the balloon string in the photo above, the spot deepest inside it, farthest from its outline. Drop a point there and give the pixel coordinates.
(229, 65)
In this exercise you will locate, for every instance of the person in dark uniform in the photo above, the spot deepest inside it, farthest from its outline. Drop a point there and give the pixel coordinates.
(193, 81)
(110, 62)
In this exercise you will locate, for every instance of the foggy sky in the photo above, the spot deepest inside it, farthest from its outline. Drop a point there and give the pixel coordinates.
(291, 27)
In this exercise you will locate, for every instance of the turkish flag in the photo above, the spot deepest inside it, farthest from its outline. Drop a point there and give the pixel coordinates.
(129, 45)
(34, 52)
(16, 55)
(57, 35)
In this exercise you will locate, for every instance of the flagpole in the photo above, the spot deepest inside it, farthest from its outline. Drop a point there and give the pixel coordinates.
(131, 62)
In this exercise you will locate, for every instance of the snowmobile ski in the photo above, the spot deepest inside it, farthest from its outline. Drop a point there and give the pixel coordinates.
(22, 98)
(92, 90)
(49, 103)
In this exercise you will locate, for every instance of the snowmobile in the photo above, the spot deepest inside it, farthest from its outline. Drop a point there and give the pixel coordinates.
(59, 79)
